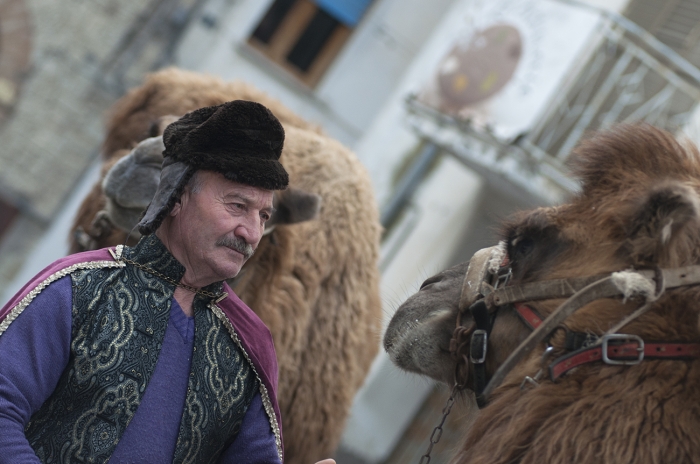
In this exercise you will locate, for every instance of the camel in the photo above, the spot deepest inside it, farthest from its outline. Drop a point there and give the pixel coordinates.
(583, 320)
(313, 279)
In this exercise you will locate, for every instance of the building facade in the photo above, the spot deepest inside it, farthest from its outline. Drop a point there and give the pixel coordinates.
(462, 110)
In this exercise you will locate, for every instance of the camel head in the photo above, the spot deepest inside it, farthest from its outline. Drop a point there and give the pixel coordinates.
(131, 183)
(638, 209)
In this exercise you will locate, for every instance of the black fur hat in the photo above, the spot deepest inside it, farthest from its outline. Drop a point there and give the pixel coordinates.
(240, 139)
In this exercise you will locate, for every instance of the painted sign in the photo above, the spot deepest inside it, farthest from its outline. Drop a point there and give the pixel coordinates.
(471, 74)
(503, 61)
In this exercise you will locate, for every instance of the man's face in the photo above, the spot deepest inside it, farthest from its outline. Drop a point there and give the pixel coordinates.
(218, 226)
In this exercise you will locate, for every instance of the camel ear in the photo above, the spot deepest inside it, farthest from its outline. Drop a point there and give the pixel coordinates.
(668, 212)
(294, 206)
(129, 186)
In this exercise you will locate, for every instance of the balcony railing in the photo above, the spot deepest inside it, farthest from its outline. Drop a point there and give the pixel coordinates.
(630, 76)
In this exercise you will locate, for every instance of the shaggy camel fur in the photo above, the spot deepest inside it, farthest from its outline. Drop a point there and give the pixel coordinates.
(315, 284)
(639, 207)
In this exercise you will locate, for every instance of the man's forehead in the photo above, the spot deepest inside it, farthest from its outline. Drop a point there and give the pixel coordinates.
(231, 189)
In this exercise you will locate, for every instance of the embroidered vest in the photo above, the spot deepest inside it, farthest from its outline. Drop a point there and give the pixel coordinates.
(119, 320)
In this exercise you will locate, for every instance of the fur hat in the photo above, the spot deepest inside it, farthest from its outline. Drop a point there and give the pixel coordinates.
(240, 139)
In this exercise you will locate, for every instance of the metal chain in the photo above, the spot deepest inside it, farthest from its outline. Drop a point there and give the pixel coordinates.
(172, 281)
(437, 431)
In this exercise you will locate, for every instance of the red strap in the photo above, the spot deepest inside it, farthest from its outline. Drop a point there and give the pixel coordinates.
(529, 315)
(625, 351)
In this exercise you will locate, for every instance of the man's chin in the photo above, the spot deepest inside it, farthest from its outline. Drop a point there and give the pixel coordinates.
(230, 273)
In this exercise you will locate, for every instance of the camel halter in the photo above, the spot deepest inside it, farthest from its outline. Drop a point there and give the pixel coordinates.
(485, 290)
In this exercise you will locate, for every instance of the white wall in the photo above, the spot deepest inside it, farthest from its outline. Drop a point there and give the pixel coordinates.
(356, 85)
(616, 6)
(444, 207)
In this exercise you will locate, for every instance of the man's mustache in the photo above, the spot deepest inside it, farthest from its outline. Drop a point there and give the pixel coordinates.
(238, 244)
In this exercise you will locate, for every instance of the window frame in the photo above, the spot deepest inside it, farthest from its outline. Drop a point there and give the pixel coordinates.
(286, 35)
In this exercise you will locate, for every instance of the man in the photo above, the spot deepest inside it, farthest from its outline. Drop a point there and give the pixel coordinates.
(144, 354)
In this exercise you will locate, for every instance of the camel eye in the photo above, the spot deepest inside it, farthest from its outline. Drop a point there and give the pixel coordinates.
(431, 280)
(521, 247)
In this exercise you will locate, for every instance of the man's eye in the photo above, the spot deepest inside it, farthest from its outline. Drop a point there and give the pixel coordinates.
(265, 217)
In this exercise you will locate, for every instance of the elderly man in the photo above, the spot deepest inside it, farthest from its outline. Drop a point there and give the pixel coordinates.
(144, 354)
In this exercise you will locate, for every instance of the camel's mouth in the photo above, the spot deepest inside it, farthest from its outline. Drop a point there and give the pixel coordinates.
(422, 345)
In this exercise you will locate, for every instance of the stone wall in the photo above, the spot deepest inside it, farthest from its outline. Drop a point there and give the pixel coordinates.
(62, 64)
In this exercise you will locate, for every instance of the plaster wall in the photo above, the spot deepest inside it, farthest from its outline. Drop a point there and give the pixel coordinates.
(442, 209)
(356, 85)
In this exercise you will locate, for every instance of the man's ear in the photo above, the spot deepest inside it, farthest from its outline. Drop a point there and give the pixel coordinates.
(177, 208)
(184, 198)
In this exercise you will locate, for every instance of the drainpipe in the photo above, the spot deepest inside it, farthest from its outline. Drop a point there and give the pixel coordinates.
(408, 184)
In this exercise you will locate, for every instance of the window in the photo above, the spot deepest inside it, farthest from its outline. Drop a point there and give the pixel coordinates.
(304, 36)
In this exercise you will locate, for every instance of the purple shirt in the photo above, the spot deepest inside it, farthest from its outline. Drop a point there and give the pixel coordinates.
(35, 350)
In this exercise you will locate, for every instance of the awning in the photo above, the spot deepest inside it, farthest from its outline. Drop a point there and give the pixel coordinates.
(347, 12)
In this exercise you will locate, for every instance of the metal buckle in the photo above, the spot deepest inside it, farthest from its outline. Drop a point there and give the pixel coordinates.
(534, 381)
(623, 337)
(503, 279)
(479, 341)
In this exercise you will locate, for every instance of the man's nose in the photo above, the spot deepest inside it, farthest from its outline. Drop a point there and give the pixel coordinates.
(251, 230)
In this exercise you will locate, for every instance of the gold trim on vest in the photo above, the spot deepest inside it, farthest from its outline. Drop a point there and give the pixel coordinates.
(263, 391)
(24, 302)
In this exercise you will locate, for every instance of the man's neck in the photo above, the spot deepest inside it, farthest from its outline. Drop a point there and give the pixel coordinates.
(184, 298)
(189, 278)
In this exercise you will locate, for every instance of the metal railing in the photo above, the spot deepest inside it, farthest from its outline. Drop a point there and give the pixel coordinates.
(630, 76)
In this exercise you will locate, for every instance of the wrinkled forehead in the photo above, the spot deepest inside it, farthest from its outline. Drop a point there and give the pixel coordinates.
(227, 188)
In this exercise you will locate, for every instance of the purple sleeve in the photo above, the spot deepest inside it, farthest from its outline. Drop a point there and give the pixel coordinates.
(255, 443)
(34, 350)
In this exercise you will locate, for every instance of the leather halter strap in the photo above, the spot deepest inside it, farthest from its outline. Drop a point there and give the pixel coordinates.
(564, 288)
(630, 352)
(474, 337)
(529, 316)
(606, 287)
(532, 319)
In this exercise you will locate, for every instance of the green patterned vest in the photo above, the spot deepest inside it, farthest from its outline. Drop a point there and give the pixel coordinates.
(119, 320)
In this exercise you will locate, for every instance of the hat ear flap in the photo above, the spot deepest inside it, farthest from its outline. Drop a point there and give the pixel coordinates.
(173, 178)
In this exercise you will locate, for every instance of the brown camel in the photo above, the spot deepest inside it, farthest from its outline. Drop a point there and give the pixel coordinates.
(594, 353)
